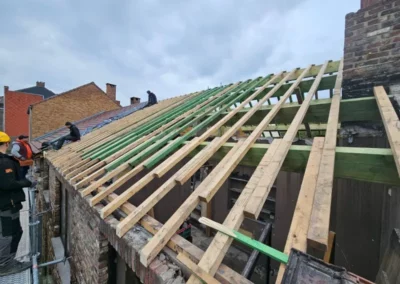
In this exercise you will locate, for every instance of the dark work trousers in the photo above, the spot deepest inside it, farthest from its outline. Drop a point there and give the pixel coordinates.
(24, 171)
(10, 234)
(60, 142)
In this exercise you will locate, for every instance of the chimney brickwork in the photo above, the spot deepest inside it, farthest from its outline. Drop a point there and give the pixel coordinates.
(372, 48)
(40, 84)
(111, 91)
(135, 100)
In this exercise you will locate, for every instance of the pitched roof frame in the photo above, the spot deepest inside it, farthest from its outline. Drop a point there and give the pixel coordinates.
(161, 150)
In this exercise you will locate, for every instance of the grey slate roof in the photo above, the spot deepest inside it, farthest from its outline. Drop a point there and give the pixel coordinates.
(46, 93)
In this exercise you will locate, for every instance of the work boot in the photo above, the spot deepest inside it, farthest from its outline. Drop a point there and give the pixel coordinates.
(13, 267)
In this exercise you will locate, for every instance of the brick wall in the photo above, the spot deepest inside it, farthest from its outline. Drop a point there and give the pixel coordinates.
(16, 111)
(71, 106)
(87, 246)
(372, 48)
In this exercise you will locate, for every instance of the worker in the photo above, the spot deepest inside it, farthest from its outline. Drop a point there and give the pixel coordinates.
(152, 98)
(11, 198)
(74, 135)
(22, 151)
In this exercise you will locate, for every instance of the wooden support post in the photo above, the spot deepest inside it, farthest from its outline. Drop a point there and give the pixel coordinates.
(318, 231)
(297, 237)
(328, 253)
(390, 121)
(206, 212)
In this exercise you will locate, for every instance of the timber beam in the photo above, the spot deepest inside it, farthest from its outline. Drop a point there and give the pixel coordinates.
(364, 164)
(360, 109)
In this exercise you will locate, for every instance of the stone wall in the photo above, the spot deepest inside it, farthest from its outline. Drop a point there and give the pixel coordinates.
(372, 48)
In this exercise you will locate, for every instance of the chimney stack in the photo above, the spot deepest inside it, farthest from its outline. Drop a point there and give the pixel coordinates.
(135, 100)
(40, 84)
(6, 89)
(111, 91)
(367, 3)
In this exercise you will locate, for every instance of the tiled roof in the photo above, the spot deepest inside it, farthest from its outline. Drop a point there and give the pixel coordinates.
(88, 124)
(46, 93)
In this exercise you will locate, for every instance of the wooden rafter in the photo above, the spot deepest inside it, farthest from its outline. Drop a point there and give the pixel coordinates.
(260, 194)
(318, 231)
(297, 237)
(390, 121)
(90, 174)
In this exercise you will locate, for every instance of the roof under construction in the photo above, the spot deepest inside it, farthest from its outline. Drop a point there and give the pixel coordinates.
(201, 126)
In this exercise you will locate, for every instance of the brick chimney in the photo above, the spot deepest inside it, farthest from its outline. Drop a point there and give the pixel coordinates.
(6, 89)
(111, 91)
(367, 3)
(135, 100)
(372, 48)
(40, 84)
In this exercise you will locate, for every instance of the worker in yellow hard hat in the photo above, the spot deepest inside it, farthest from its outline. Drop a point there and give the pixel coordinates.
(11, 198)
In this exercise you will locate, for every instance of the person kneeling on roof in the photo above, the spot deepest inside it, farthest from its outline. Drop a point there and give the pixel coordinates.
(22, 151)
(74, 135)
(11, 198)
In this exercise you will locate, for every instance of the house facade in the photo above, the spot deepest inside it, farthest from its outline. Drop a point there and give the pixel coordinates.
(73, 105)
(15, 119)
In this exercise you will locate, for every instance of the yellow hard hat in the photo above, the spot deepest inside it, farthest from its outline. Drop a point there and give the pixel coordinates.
(4, 138)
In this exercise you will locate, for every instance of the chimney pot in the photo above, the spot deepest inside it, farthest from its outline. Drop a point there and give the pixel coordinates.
(111, 91)
(135, 100)
(40, 84)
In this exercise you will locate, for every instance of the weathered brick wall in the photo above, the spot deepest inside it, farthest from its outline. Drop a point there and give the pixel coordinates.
(71, 106)
(372, 48)
(89, 248)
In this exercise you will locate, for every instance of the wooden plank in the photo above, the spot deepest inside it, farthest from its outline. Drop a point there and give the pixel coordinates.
(211, 184)
(251, 243)
(113, 130)
(156, 196)
(108, 176)
(155, 245)
(364, 164)
(81, 168)
(162, 168)
(88, 172)
(207, 194)
(206, 212)
(358, 109)
(177, 156)
(318, 230)
(297, 237)
(260, 194)
(70, 159)
(328, 253)
(207, 278)
(220, 244)
(390, 121)
(181, 179)
(72, 168)
(181, 245)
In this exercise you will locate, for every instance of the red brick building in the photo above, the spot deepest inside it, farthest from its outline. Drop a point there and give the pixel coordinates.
(16, 103)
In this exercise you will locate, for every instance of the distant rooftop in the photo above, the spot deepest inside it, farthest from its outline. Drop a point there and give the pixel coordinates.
(90, 123)
(39, 89)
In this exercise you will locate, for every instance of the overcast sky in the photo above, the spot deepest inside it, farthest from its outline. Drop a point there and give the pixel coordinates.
(169, 47)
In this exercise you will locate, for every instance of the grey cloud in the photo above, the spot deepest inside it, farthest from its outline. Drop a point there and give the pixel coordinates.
(170, 47)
